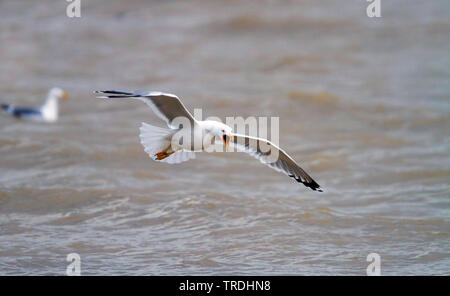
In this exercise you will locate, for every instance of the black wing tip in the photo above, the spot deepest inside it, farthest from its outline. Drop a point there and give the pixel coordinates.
(313, 184)
(116, 94)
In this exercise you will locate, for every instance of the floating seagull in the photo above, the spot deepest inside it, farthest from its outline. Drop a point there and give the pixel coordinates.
(159, 145)
(48, 112)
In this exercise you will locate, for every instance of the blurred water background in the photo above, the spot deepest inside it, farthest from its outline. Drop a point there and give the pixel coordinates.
(363, 106)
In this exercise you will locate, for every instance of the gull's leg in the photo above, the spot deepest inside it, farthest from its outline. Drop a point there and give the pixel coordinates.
(164, 154)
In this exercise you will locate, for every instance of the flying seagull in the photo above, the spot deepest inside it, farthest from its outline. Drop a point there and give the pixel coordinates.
(158, 142)
(48, 112)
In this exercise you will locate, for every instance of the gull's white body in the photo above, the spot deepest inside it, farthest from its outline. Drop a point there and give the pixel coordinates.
(204, 135)
(182, 143)
(50, 110)
(186, 136)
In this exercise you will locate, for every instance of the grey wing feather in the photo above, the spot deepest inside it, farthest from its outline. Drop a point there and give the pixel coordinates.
(166, 106)
(283, 163)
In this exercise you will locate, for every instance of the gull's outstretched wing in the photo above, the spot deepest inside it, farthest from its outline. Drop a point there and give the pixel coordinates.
(166, 106)
(283, 163)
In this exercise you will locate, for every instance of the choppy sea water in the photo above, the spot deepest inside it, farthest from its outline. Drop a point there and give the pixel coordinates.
(363, 106)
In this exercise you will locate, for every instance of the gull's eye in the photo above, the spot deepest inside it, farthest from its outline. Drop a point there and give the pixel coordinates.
(223, 131)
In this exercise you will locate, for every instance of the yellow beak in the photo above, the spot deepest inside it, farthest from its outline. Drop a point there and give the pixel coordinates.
(65, 96)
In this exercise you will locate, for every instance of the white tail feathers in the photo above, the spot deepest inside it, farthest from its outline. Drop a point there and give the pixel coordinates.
(156, 139)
